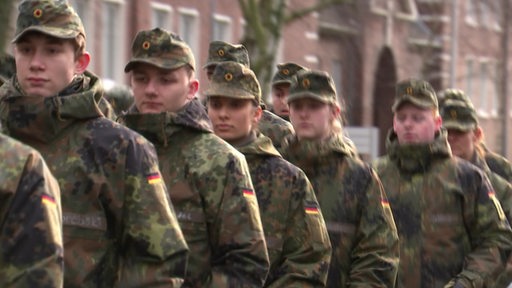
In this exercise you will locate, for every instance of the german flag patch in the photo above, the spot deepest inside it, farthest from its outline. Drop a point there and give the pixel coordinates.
(384, 203)
(48, 200)
(248, 193)
(311, 208)
(154, 178)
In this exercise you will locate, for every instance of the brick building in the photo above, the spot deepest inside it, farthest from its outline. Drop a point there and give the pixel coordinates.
(367, 46)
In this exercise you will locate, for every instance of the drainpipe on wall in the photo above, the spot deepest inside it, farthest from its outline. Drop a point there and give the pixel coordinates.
(455, 42)
(504, 74)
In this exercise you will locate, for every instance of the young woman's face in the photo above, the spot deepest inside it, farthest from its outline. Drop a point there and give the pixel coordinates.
(233, 119)
(311, 119)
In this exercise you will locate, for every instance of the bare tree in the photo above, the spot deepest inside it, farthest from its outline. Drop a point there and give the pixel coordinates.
(265, 21)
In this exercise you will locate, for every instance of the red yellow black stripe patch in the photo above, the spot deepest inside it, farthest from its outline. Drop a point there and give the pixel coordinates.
(248, 193)
(48, 200)
(154, 178)
(311, 208)
(384, 203)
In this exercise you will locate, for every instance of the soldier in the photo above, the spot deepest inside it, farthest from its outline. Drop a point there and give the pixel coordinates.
(270, 124)
(119, 225)
(31, 219)
(281, 82)
(359, 221)
(464, 136)
(208, 180)
(452, 229)
(297, 240)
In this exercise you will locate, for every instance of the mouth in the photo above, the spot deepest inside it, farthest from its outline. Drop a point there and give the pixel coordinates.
(222, 127)
(35, 81)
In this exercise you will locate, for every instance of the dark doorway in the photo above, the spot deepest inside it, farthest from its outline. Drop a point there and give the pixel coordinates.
(383, 95)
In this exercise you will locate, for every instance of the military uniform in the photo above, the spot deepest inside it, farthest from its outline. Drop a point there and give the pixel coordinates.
(270, 124)
(453, 232)
(118, 223)
(459, 114)
(297, 240)
(355, 208)
(31, 219)
(208, 180)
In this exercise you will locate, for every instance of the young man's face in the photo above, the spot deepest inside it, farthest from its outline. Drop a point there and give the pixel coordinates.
(311, 119)
(279, 102)
(46, 65)
(158, 90)
(414, 125)
(462, 143)
(233, 119)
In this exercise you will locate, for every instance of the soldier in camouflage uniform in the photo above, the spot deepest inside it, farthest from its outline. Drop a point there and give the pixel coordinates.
(281, 82)
(208, 180)
(297, 240)
(359, 221)
(464, 136)
(119, 226)
(31, 219)
(270, 124)
(452, 229)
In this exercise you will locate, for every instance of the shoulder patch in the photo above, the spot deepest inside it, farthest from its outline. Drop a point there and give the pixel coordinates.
(248, 193)
(497, 204)
(154, 178)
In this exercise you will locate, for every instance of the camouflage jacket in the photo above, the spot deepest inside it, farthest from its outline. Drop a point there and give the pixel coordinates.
(503, 191)
(211, 189)
(497, 163)
(275, 128)
(359, 221)
(31, 253)
(451, 226)
(119, 226)
(297, 240)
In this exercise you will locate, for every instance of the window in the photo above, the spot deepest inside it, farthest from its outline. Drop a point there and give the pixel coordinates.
(83, 9)
(469, 79)
(471, 12)
(112, 39)
(189, 30)
(161, 16)
(221, 28)
(483, 87)
(337, 76)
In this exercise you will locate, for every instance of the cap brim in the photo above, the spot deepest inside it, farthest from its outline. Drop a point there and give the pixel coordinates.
(409, 99)
(229, 93)
(154, 62)
(450, 124)
(51, 31)
(281, 82)
(304, 95)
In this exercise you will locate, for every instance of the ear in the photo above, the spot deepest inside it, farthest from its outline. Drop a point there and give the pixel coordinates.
(258, 112)
(478, 134)
(193, 87)
(438, 122)
(335, 111)
(82, 62)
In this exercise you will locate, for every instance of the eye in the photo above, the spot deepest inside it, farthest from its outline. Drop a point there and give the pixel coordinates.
(140, 78)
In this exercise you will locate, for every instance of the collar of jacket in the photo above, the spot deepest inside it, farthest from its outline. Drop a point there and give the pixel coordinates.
(416, 158)
(309, 153)
(42, 119)
(159, 127)
(260, 145)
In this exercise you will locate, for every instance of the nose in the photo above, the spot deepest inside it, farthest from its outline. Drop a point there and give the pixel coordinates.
(36, 61)
(150, 89)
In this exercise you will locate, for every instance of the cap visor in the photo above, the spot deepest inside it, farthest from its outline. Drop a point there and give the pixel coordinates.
(50, 31)
(297, 96)
(154, 62)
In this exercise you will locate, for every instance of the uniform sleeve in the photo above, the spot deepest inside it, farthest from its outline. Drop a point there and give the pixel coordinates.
(240, 257)
(489, 232)
(504, 193)
(307, 248)
(31, 235)
(155, 251)
(375, 255)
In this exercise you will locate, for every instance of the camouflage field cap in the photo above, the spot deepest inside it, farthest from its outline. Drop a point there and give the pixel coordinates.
(313, 84)
(160, 48)
(417, 92)
(285, 73)
(52, 17)
(457, 110)
(220, 51)
(234, 80)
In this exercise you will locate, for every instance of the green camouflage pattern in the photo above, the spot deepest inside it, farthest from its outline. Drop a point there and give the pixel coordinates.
(297, 240)
(313, 84)
(51, 17)
(234, 80)
(497, 163)
(31, 252)
(275, 128)
(120, 97)
(211, 189)
(7, 68)
(220, 51)
(285, 73)
(452, 228)
(119, 226)
(359, 221)
(457, 111)
(417, 92)
(160, 48)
